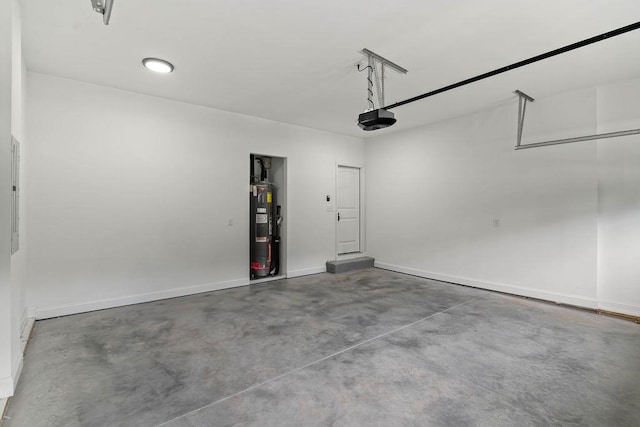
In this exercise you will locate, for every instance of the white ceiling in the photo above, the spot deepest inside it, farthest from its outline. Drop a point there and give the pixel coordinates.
(295, 60)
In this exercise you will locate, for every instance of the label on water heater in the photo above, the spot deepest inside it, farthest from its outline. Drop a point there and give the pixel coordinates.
(268, 197)
(262, 210)
(261, 218)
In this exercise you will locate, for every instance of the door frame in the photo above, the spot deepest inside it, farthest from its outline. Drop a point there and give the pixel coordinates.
(363, 251)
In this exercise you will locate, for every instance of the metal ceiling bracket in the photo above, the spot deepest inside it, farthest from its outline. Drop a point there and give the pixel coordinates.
(385, 61)
(522, 108)
(104, 8)
(373, 62)
(523, 98)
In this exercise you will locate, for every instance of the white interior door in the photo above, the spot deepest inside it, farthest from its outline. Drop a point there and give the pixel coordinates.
(348, 199)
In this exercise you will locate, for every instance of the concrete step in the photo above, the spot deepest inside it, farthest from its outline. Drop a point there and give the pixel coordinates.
(345, 265)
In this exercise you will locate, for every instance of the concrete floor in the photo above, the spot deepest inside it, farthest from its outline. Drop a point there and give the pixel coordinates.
(369, 347)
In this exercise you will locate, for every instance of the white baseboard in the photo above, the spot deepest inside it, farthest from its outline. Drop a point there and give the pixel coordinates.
(8, 384)
(24, 319)
(18, 370)
(306, 272)
(25, 332)
(83, 307)
(618, 307)
(6, 387)
(494, 286)
(64, 310)
(26, 327)
(3, 406)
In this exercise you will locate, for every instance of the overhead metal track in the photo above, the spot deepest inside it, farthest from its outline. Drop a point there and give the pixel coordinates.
(522, 105)
(519, 64)
(580, 138)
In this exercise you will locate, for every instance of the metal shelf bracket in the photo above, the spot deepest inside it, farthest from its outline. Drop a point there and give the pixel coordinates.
(523, 98)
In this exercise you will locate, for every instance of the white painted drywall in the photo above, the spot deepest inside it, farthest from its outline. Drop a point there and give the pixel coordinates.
(619, 199)
(19, 258)
(130, 195)
(12, 268)
(436, 191)
(6, 381)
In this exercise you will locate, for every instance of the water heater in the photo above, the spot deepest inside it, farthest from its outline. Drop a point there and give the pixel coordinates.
(263, 227)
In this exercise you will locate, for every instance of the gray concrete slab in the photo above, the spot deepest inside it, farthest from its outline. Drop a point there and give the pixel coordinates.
(353, 264)
(569, 366)
(372, 385)
(369, 347)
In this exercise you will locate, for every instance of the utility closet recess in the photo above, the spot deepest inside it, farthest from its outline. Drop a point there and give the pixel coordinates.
(267, 217)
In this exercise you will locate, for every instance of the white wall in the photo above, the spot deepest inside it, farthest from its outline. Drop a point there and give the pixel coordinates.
(435, 191)
(18, 129)
(130, 195)
(619, 199)
(6, 380)
(12, 268)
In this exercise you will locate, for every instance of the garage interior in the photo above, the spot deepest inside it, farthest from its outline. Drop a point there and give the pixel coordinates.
(225, 243)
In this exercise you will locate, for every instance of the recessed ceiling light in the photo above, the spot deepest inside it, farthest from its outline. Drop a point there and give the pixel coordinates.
(157, 65)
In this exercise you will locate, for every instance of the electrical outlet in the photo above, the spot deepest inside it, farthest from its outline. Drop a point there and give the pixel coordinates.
(496, 222)
(230, 222)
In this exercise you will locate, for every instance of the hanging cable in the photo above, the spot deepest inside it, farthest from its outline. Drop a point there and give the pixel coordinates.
(370, 84)
(382, 84)
(373, 119)
(378, 89)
